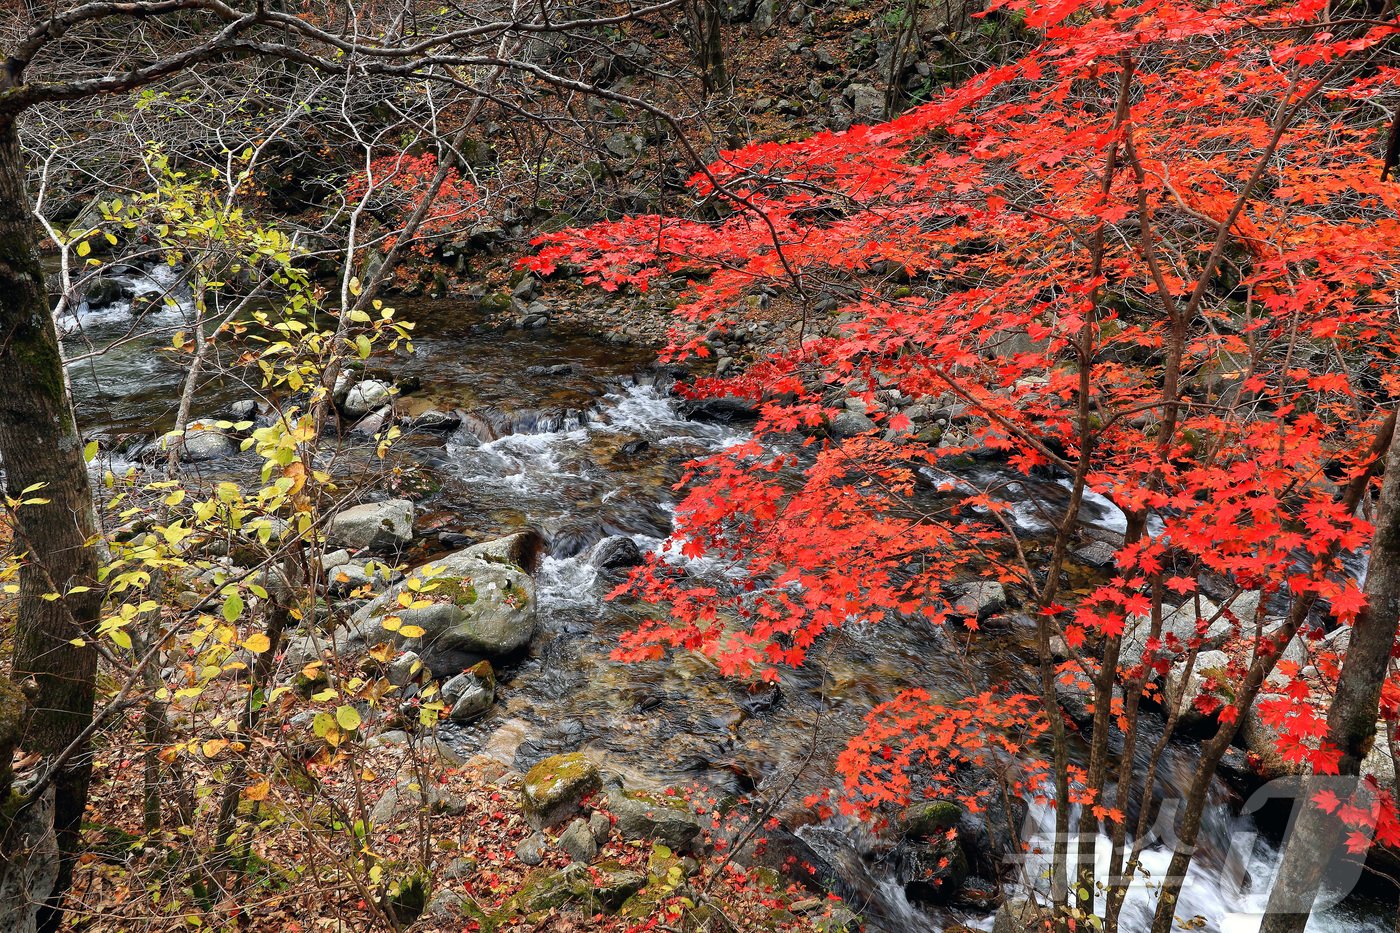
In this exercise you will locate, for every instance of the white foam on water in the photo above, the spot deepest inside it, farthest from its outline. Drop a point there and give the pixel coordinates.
(1224, 898)
(562, 583)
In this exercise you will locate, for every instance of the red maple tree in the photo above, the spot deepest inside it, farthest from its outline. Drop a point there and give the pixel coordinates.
(1154, 260)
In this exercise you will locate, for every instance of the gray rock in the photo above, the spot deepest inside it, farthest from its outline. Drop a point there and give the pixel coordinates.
(723, 410)
(1263, 740)
(527, 288)
(479, 609)
(478, 606)
(205, 443)
(1378, 761)
(524, 549)
(1096, 554)
(615, 552)
(408, 795)
(849, 424)
(246, 410)
(578, 843)
(434, 420)
(980, 598)
(471, 693)
(867, 103)
(103, 291)
(351, 575)
(643, 815)
(1180, 622)
(460, 868)
(404, 669)
(365, 397)
(1183, 691)
(600, 826)
(446, 905)
(390, 739)
(382, 526)
(532, 850)
(372, 424)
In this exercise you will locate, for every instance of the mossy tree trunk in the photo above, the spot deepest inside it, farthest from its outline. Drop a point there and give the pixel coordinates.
(40, 446)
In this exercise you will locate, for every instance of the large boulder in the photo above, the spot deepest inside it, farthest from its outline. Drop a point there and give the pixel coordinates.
(474, 608)
(1180, 622)
(380, 526)
(930, 861)
(615, 553)
(849, 424)
(411, 795)
(726, 409)
(524, 549)
(978, 599)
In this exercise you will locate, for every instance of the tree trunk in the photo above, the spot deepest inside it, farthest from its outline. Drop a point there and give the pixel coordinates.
(707, 26)
(1313, 845)
(40, 446)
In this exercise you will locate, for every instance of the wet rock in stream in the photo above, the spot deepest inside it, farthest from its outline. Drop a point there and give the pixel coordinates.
(614, 553)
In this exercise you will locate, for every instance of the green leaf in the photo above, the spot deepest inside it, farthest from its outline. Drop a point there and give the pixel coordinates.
(233, 608)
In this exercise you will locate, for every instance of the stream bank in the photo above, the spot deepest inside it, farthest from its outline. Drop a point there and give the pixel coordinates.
(579, 441)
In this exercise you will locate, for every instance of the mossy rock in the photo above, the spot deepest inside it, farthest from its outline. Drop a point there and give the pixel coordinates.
(495, 303)
(475, 608)
(456, 590)
(659, 817)
(555, 788)
(931, 819)
(546, 889)
(616, 883)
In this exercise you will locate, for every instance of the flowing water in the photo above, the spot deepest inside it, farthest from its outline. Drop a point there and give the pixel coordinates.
(580, 440)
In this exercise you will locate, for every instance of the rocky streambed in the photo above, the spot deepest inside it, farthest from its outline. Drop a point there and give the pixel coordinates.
(537, 465)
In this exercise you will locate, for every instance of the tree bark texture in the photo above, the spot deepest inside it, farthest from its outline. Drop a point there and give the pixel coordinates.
(40, 446)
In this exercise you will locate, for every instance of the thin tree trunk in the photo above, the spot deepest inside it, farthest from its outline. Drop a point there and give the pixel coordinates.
(40, 447)
(1313, 845)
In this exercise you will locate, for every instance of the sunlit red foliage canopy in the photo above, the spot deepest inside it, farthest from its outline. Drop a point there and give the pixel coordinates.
(1154, 254)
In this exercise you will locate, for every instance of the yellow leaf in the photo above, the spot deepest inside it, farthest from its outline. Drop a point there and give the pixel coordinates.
(213, 747)
(258, 791)
(257, 643)
(348, 717)
(413, 631)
